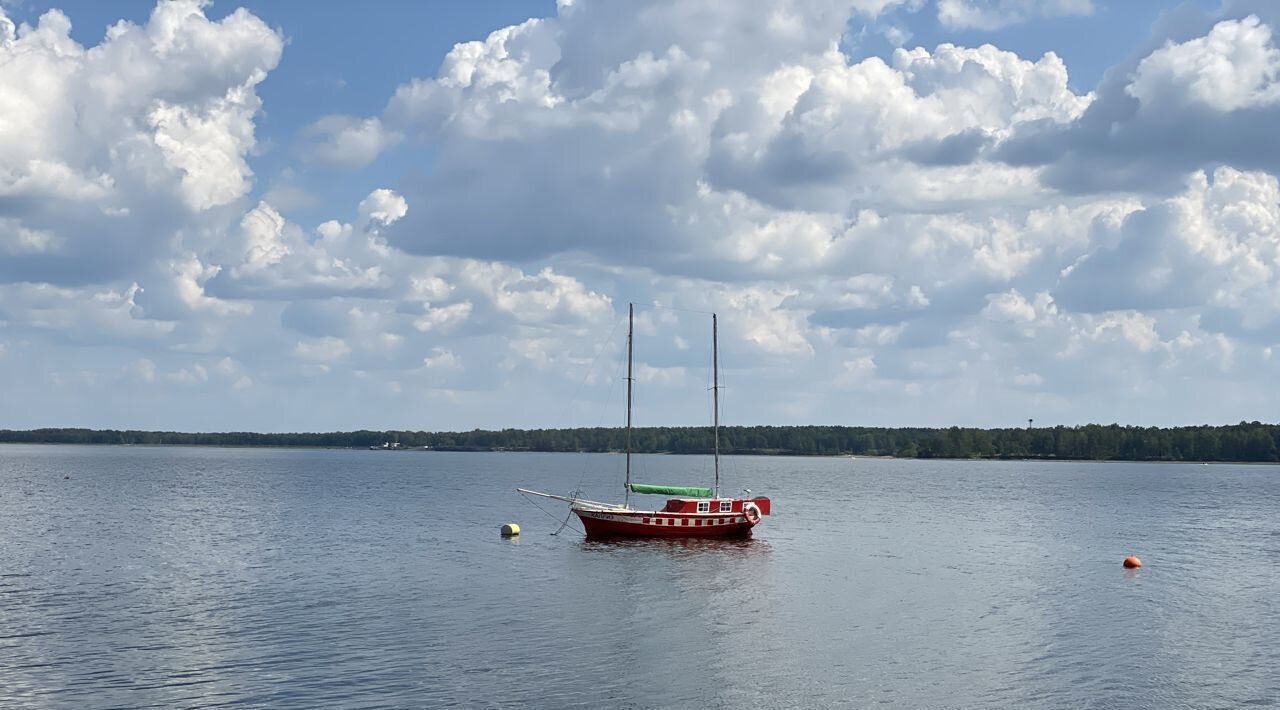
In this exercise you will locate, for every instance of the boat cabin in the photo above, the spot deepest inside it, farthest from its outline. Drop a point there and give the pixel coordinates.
(694, 506)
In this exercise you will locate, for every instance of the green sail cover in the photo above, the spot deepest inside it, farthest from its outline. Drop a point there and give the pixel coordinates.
(689, 491)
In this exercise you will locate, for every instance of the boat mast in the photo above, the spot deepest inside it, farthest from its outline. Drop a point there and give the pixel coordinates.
(631, 314)
(715, 396)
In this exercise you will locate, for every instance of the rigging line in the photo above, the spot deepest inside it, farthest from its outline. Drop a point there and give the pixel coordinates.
(612, 386)
(553, 517)
(565, 524)
(683, 310)
(710, 401)
(727, 465)
(591, 368)
(726, 462)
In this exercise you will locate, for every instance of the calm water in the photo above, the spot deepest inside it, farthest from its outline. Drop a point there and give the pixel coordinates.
(148, 577)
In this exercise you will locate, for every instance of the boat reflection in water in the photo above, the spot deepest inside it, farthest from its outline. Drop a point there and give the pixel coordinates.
(679, 546)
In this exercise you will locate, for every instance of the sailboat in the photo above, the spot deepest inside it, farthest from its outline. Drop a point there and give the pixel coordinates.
(692, 511)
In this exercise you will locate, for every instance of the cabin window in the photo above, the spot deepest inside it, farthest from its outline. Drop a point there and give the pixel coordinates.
(645, 520)
(704, 506)
(726, 506)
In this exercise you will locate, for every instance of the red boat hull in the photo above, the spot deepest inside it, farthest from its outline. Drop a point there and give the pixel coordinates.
(601, 524)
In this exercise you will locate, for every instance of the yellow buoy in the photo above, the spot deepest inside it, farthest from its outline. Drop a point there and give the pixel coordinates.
(510, 530)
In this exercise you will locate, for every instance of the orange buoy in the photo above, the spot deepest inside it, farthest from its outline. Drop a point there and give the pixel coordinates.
(1132, 562)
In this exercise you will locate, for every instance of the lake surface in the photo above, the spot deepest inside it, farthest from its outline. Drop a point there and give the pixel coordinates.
(189, 577)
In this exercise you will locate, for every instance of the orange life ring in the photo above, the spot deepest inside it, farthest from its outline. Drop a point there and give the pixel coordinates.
(751, 512)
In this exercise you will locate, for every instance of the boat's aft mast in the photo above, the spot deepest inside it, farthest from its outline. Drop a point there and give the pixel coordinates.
(715, 396)
(631, 314)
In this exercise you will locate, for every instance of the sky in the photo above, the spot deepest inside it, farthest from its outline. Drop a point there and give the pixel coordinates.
(279, 216)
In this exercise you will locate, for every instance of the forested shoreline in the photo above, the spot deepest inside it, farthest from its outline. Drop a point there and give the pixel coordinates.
(1246, 441)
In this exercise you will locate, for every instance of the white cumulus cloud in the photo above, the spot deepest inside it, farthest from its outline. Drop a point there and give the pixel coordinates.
(1233, 67)
(346, 141)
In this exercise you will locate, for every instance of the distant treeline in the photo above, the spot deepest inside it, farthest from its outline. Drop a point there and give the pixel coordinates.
(1246, 441)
